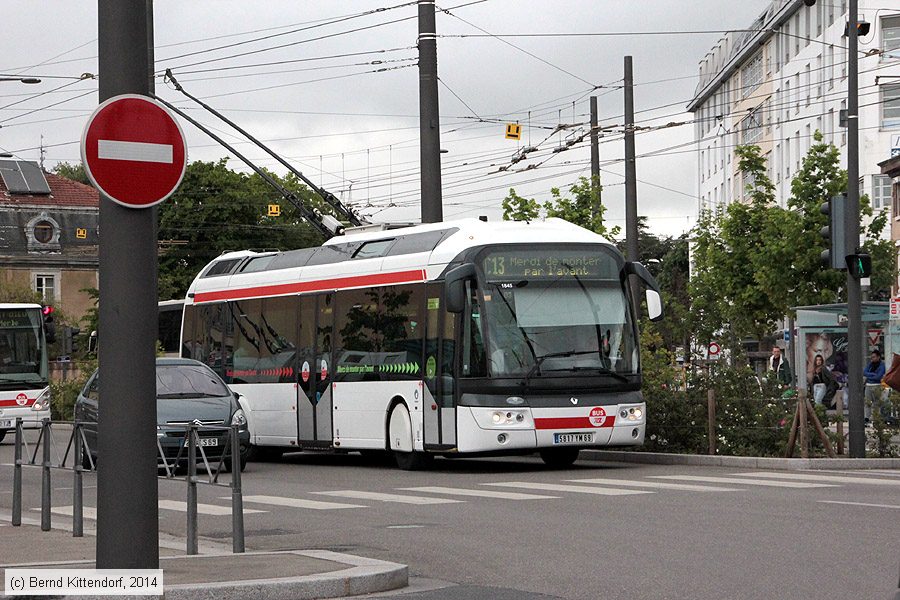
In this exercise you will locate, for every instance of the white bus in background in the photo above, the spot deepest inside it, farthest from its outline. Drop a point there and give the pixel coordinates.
(454, 338)
(24, 370)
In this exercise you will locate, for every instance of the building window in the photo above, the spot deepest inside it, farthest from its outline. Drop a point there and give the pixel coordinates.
(751, 128)
(890, 106)
(43, 232)
(881, 191)
(751, 74)
(45, 285)
(890, 37)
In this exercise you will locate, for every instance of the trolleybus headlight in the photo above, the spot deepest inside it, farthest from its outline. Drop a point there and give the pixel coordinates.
(497, 418)
(43, 401)
(638, 413)
(508, 417)
(632, 413)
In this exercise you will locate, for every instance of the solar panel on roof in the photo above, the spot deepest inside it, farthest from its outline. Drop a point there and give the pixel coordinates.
(23, 177)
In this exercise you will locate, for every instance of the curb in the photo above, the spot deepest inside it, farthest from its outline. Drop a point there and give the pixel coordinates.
(742, 462)
(365, 576)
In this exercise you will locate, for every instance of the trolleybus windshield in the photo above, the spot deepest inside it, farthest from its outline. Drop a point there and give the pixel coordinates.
(556, 313)
(22, 356)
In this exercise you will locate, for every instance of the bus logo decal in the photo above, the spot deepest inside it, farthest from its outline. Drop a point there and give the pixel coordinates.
(573, 400)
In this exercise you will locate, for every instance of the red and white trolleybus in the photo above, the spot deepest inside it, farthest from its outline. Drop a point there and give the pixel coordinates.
(462, 337)
(24, 381)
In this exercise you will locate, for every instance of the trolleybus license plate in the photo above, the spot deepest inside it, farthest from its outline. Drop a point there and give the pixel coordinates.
(6, 424)
(573, 438)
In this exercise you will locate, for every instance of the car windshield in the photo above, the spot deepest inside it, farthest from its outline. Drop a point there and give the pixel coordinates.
(188, 381)
(558, 315)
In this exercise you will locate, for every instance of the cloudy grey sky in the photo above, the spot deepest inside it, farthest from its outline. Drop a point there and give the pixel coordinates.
(353, 127)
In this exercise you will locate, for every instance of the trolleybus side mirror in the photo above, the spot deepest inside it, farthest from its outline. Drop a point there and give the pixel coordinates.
(654, 299)
(455, 288)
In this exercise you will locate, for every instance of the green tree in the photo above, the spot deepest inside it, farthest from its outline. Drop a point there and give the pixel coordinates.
(74, 172)
(578, 207)
(217, 210)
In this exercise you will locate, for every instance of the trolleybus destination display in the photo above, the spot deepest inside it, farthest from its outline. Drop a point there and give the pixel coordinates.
(524, 264)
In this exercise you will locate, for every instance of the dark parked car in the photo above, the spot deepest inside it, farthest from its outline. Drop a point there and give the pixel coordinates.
(186, 391)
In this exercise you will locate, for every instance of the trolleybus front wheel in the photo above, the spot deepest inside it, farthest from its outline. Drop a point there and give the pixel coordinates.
(559, 458)
(401, 443)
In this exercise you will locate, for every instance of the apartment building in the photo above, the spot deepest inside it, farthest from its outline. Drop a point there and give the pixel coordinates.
(785, 77)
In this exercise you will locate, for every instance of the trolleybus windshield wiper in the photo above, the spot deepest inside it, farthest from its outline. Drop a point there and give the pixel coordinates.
(538, 360)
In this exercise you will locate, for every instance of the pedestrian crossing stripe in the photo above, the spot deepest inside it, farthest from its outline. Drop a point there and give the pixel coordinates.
(298, 503)
(581, 489)
(823, 478)
(866, 504)
(479, 493)
(89, 512)
(656, 484)
(744, 481)
(380, 497)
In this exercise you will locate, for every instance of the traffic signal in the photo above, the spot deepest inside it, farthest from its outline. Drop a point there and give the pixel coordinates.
(834, 256)
(49, 325)
(859, 265)
(74, 332)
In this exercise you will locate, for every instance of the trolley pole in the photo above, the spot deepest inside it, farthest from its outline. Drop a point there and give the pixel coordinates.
(429, 116)
(127, 496)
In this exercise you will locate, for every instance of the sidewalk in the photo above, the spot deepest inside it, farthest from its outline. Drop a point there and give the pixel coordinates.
(216, 573)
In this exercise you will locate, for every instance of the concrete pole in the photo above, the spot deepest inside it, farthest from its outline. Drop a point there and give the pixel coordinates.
(631, 220)
(595, 157)
(429, 117)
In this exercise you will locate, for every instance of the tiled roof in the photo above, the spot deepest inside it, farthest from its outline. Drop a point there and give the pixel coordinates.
(63, 193)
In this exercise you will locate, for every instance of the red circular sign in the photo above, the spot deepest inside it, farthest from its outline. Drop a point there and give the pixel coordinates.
(21, 399)
(597, 416)
(304, 372)
(133, 150)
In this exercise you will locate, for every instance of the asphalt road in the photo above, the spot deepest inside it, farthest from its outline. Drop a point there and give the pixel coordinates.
(510, 528)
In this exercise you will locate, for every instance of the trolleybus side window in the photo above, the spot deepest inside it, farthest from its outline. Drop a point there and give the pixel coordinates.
(247, 340)
(278, 329)
(403, 329)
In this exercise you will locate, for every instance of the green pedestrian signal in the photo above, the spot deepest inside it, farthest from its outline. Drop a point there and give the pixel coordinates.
(859, 265)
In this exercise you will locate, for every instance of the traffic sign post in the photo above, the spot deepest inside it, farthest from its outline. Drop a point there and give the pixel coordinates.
(127, 495)
(133, 150)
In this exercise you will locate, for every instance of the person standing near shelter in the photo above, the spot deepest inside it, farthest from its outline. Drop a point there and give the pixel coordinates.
(873, 373)
(780, 366)
(822, 384)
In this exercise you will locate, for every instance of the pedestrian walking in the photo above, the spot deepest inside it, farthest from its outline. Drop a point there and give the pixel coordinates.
(873, 374)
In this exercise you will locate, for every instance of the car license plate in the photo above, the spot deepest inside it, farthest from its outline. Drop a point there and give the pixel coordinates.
(206, 442)
(573, 438)
(6, 424)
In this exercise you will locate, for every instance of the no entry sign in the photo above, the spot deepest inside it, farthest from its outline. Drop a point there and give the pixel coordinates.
(133, 150)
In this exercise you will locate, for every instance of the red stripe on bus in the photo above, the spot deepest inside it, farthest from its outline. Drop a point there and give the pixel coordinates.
(14, 403)
(313, 286)
(570, 423)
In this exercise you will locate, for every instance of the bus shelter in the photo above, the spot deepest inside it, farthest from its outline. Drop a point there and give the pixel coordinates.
(822, 330)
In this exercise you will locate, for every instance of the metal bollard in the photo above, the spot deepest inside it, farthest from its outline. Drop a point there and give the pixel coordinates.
(45, 479)
(17, 476)
(192, 490)
(237, 499)
(77, 491)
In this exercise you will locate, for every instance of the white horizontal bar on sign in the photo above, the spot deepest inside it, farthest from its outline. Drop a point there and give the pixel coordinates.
(823, 478)
(136, 151)
(478, 493)
(298, 502)
(655, 484)
(580, 489)
(379, 497)
(744, 481)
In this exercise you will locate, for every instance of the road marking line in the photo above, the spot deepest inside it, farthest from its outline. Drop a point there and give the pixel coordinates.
(136, 151)
(656, 484)
(860, 504)
(828, 478)
(555, 487)
(297, 502)
(741, 481)
(388, 497)
(203, 509)
(478, 493)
